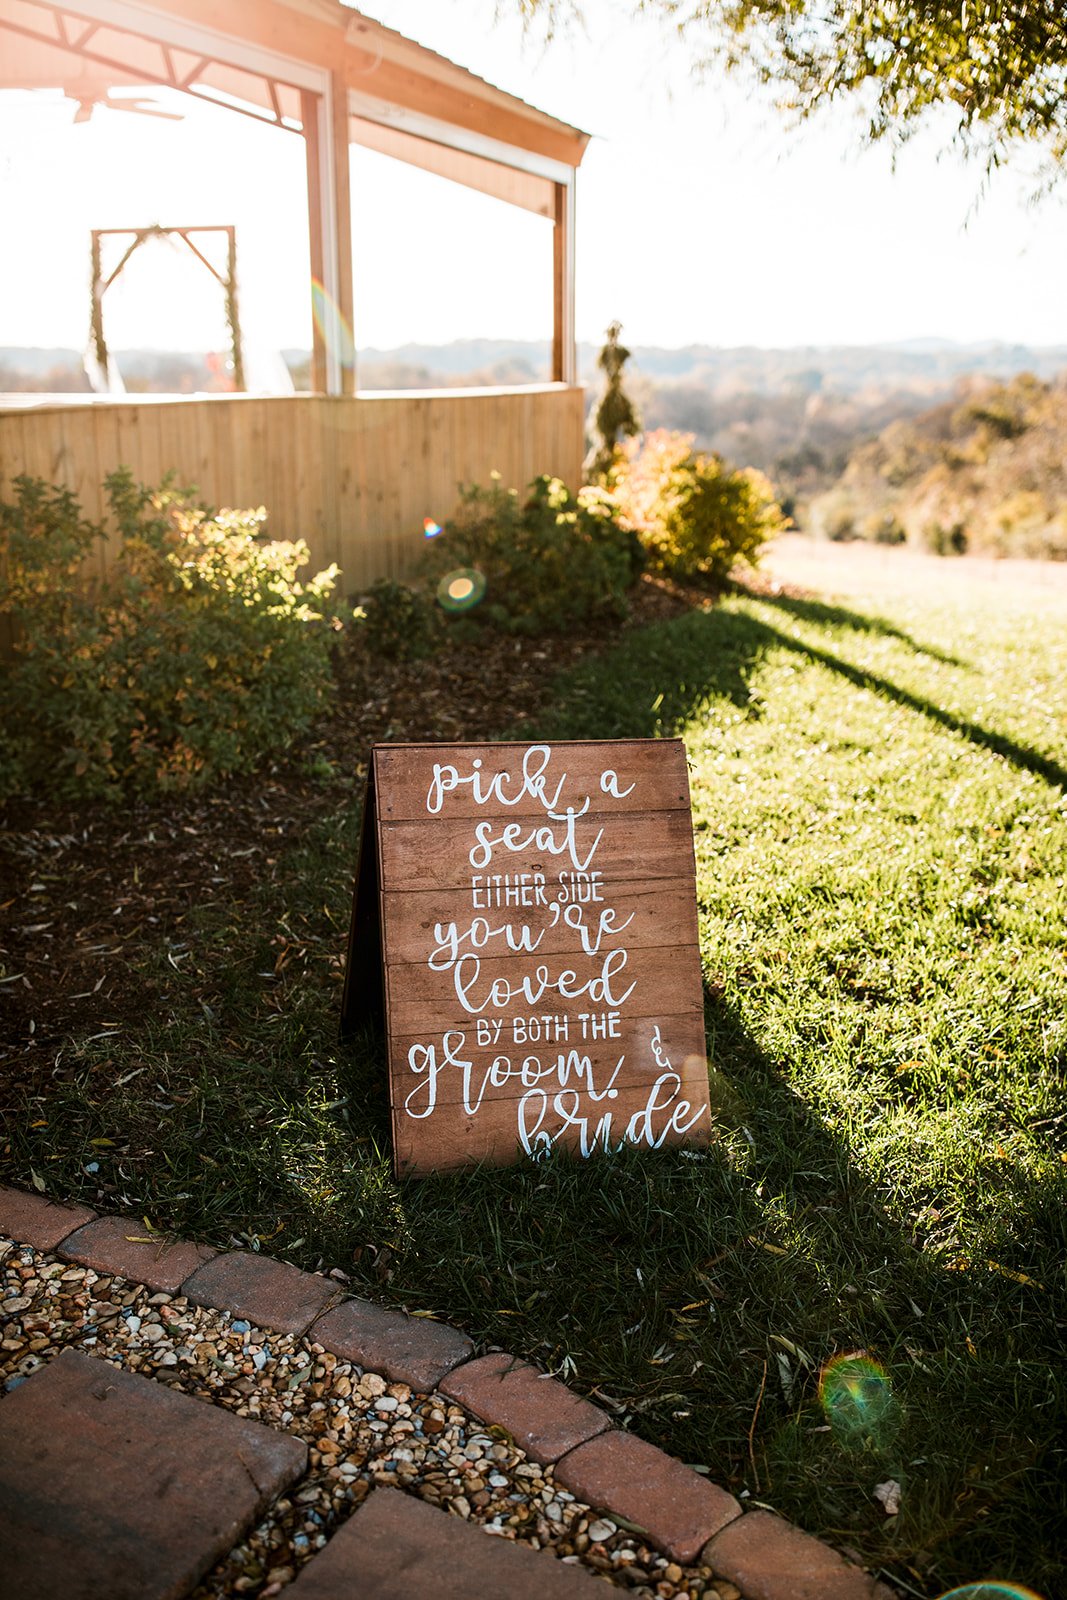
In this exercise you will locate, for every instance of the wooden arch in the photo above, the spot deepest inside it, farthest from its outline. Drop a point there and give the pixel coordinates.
(138, 236)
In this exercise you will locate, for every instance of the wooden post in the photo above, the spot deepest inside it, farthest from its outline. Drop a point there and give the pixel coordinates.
(309, 117)
(564, 363)
(342, 210)
(232, 313)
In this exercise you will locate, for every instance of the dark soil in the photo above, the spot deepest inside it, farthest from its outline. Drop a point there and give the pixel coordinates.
(87, 889)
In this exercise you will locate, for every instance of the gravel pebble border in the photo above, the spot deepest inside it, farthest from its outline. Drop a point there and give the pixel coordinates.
(361, 1429)
(381, 1397)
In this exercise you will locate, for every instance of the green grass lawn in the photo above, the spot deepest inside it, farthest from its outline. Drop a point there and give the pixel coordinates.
(879, 802)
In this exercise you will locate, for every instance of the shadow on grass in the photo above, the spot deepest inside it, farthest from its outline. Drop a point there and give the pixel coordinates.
(1020, 755)
(658, 680)
(972, 1358)
(696, 1298)
(825, 615)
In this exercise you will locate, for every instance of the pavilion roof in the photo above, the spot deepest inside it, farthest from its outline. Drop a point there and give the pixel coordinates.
(257, 53)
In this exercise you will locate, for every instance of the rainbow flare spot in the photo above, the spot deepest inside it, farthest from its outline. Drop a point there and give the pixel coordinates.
(990, 1589)
(461, 590)
(857, 1398)
(431, 528)
(331, 323)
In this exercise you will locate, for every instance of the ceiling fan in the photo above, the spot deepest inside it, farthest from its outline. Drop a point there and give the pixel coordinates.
(89, 94)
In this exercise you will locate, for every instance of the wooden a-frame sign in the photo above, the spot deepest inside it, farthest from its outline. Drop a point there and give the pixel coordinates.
(527, 915)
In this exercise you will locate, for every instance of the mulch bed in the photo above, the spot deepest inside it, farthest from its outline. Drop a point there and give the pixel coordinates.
(88, 888)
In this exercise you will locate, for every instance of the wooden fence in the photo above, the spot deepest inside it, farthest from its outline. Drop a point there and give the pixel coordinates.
(355, 477)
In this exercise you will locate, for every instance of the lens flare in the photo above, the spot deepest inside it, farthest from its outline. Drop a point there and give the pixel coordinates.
(461, 590)
(431, 528)
(990, 1589)
(331, 323)
(857, 1399)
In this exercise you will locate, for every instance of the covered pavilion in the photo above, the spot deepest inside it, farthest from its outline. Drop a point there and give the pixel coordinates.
(352, 474)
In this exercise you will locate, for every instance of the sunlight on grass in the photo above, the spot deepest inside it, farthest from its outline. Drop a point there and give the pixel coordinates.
(879, 812)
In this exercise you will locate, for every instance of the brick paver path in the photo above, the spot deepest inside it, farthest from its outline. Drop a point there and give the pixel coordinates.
(397, 1546)
(116, 1487)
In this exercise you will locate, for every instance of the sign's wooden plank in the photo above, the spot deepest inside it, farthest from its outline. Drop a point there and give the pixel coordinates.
(672, 1108)
(502, 1061)
(529, 913)
(616, 981)
(475, 780)
(539, 943)
(451, 855)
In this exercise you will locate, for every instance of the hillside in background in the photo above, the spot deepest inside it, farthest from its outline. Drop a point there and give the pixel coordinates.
(800, 415)
(986, 472)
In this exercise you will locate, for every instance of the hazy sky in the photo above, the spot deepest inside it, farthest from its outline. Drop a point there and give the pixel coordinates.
(703, 216)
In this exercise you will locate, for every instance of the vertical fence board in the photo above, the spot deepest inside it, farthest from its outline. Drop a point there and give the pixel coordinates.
(353, 477)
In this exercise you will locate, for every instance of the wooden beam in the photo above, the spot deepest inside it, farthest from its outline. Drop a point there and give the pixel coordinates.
(422, 82)
(418, 91)
(505, 183)
(309, 116)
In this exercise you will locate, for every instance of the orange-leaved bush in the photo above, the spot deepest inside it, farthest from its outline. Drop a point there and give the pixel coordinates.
(695, 514)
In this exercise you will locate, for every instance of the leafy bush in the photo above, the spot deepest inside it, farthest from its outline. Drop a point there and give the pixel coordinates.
(696, 516)
(833, 516)
(987, 476)
(197, 654)
(533, 564)
(882, 527)
(398, 622)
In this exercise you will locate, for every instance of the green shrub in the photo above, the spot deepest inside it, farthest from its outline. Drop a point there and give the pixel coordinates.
(398, 622)
(696, 516)
(197, 654)
(834, 516)
(944, 540)
(535, 564)
(882, 527)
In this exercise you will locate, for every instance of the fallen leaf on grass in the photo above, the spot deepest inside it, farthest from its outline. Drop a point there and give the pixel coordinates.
(889, 1495)
(794, 1350)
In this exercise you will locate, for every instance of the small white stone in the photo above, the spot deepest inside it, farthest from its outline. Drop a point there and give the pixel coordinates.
(386, 1402)
(151, 1333)
(600, 1530)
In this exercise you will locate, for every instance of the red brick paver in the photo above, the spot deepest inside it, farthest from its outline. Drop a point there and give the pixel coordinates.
(769, 1559)
(396, 1546)
(414, 1350)
(272, 1293)
(542, 1415)
(33, 1219)
(678, 1510)
(108, 1490)
(122, 1245)
(112, 1485)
